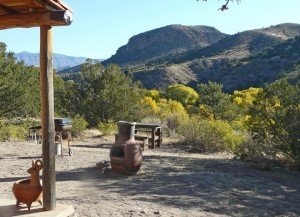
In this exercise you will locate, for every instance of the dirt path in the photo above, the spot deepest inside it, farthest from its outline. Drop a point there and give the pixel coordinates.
(170, 182)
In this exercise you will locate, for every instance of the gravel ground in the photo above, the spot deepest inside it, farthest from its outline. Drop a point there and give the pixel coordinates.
(171, 182)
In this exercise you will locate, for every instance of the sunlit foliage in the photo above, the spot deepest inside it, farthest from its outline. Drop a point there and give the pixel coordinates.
(209, 135)
(183, 94)
(275, 119)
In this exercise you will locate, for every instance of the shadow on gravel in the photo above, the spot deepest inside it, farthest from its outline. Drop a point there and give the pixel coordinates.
(31, 157)
(12, 179)
(104, 146)
(219, 186)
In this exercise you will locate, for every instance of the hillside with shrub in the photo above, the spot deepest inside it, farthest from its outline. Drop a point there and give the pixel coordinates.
(257, 121)
(237, 61)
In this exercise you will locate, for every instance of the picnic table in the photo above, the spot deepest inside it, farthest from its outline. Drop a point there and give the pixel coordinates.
(35, 134)
(149, 133)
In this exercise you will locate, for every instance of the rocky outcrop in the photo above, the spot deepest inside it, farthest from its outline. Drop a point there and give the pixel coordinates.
(162, 41)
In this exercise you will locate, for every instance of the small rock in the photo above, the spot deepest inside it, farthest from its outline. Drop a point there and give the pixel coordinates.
(103, 166)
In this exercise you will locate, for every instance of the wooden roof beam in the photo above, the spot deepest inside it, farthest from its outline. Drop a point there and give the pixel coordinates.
(7, 9)
(59, 4)
(36, 19)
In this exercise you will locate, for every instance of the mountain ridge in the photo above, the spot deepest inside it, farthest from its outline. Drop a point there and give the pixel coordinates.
(237, 61)
(60, 61)
(224, 62)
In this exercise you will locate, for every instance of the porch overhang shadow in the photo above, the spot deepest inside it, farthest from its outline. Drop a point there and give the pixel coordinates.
(43, 14)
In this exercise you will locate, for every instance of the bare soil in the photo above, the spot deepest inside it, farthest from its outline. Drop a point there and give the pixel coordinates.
(171, 182)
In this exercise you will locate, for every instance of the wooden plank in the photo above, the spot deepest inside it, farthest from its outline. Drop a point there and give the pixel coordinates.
(144, 139)
(36, 19)
(47, 113)
(142, 130)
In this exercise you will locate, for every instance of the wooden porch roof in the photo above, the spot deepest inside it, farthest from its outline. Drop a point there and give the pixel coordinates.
(43, 14)
(33, 13)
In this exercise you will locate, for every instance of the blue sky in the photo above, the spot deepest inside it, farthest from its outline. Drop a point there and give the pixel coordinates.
(101, 27)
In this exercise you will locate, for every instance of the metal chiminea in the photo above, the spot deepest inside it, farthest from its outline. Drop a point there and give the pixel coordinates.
(126, 153)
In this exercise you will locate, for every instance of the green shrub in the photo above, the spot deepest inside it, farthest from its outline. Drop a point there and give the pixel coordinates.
(249, 149)
(174, 120)
(108, 128)
(11, 132)
(79, 124)
(209, 135)
(151, 119)
(274, 119)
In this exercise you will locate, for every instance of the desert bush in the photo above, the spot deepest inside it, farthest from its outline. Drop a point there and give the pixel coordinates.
(108, 128)
(12, 132)
(249, 149)
(79, 124)
(16, 129)
(209, 135)
(174, 120)
(274, 119)
(151, 119)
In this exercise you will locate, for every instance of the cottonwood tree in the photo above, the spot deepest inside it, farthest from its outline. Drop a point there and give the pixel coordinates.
(181, 93)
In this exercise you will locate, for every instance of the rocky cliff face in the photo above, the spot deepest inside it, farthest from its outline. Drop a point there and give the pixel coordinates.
(162, 41)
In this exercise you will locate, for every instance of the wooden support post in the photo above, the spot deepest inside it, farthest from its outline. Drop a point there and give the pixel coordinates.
(47, 112)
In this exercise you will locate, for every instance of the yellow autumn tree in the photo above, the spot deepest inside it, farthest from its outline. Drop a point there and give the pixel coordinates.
(244, 98)
(171, 112)
(153, 94)
(187, 96)
(150, 107)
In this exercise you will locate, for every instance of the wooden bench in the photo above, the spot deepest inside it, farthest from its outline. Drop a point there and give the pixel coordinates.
(144, 139)
(153, 131)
